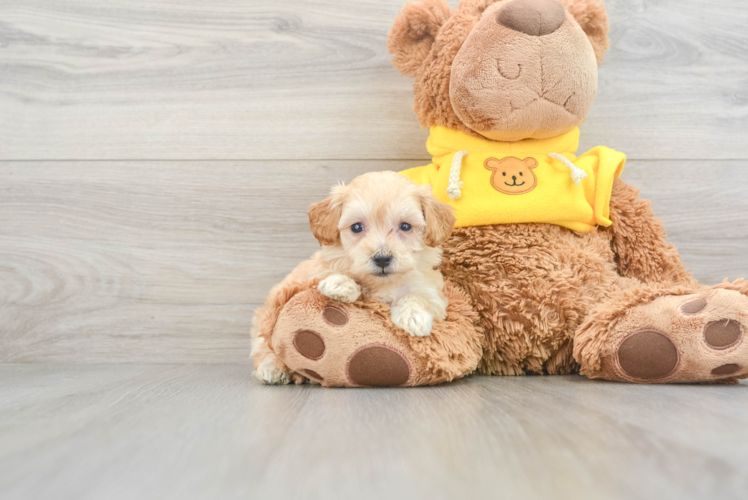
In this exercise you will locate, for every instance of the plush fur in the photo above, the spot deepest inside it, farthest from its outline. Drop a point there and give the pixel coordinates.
(509, 86)
(425, 42)
(615, 303)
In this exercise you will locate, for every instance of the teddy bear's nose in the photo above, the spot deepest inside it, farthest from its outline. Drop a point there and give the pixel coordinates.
(532, 17)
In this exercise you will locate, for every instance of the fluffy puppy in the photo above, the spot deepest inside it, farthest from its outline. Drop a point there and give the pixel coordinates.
(380, 236)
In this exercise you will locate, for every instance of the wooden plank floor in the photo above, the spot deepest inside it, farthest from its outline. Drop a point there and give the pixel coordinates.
(210, 431)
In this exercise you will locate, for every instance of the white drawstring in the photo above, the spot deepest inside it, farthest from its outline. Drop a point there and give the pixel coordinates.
(577, 174)
(453, 190)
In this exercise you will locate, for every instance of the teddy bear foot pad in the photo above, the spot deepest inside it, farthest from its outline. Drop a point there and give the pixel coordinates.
(338, 344)
(687, 338)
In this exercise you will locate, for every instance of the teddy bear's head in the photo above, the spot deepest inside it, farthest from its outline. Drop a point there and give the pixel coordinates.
(503, 69)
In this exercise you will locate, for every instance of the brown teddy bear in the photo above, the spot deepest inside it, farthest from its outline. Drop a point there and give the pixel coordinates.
(556, 265)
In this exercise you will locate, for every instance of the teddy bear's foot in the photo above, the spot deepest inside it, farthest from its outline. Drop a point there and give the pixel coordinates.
(357, 345)
(698, 337)
(337, 344)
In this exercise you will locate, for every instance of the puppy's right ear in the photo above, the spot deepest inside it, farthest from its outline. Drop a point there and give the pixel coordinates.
(440, 218)
(413, 33)
(325, 216)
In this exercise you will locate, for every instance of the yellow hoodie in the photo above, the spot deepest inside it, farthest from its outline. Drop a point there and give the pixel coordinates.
(534, 180)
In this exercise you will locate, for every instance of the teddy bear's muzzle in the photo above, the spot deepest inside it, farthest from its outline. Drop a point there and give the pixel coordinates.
(532, 17)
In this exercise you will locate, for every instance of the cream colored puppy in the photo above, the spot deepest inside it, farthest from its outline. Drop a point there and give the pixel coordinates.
(380, 237)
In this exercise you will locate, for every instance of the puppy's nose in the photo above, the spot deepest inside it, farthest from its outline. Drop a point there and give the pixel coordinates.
(382, 260)
(532, 17)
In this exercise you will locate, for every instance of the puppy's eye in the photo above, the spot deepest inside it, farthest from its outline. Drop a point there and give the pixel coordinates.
(404, 226)
(357, 227)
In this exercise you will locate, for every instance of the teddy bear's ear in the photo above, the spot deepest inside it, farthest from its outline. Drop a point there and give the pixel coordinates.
(530, 163)
(413, 33)
(593, 18)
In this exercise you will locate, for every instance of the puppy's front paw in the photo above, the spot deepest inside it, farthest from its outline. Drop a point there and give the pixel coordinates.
(411, 317)
(340, 287)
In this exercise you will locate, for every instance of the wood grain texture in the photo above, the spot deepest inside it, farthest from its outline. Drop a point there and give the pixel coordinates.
(165, 261)
(231, 79)
(210, 431)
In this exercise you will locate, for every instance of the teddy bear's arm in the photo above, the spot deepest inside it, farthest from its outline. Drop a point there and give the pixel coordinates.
(639, 241)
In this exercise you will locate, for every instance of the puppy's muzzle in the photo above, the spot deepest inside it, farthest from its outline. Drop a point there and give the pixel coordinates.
(382, 261)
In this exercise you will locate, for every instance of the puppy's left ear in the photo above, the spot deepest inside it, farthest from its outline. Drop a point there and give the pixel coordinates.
(440, 218)
(593, 18)
(324, 218)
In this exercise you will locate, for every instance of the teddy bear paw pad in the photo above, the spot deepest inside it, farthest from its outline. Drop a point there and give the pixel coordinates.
(728, 369)
(723, 334)
(340, 345)
(693, 306)
(309, 344)
(648, 355)
(378, 366)
(334, 316)
(313, 375)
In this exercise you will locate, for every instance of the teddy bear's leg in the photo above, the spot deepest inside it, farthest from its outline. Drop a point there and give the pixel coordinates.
(668, 335)
(356, 345)
(639, 242)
